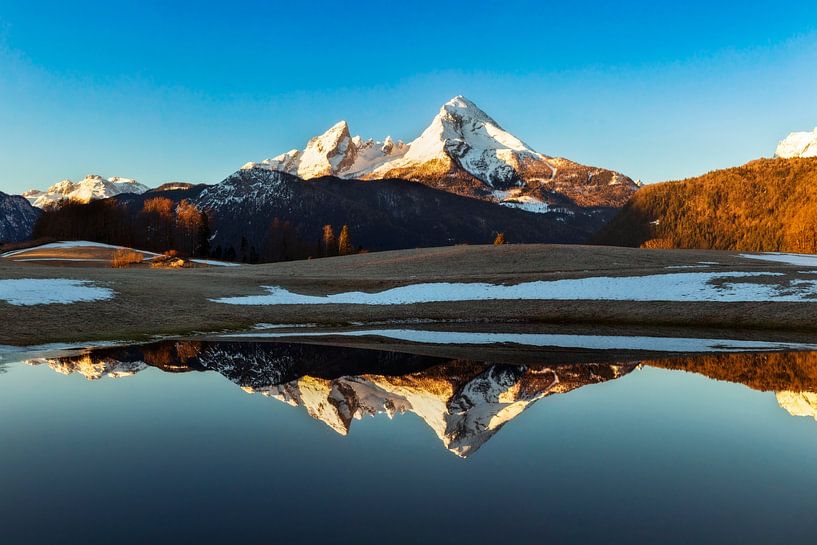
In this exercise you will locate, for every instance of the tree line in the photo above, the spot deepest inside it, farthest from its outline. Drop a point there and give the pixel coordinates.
(161, 225)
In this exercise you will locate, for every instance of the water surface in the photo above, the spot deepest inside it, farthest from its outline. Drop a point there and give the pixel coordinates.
(159, 444)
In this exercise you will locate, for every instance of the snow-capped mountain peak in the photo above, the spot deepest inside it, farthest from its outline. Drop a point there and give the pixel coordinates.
(798, 144)
(463, 151)
(463, 132)
(90, 188)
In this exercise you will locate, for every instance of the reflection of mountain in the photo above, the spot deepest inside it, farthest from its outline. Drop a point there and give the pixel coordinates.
(791, 375)
(464, 402)
(798, 403)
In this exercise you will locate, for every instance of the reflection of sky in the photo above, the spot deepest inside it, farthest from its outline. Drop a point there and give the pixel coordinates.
(190, 455)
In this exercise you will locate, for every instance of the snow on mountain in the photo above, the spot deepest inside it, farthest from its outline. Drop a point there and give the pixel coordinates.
(463, 151)
(334, 153)
(90, 188)
(466, 134)
(17, 218)
(798, 144)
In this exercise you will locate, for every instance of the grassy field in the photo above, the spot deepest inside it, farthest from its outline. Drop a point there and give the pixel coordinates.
(176, 302)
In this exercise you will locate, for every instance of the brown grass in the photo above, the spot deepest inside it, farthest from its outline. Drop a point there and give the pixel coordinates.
(125, 257)
(178, 301)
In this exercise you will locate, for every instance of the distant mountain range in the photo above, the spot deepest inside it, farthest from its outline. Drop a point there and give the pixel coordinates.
(263, 210)
(463, 180)
(90, 188)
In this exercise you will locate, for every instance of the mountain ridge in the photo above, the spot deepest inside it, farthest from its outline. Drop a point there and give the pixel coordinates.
(92, 187)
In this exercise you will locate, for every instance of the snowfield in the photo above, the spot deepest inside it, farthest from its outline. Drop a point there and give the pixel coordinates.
(592, 342)
(802, 260)
(731, 287)
(71, 244)
(215, 263)
(31, 291)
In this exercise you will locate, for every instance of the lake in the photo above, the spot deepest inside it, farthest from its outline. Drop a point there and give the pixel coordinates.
(282, 442)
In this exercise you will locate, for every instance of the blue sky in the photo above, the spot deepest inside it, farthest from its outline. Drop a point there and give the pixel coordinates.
(159, 92)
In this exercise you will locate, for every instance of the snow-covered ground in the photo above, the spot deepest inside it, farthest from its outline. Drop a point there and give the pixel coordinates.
(34, 291)
(61, 246)
(87, 244)
(62, 259)
(692, 286)
(215, 263)
(592, 342)
(803, 260)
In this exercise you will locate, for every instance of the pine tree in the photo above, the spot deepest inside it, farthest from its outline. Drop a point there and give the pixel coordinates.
(344, 243)
(243, 249)
(329, 245)
(203, 237)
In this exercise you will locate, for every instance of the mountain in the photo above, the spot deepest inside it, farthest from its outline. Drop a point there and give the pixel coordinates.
(766, 205)
(798, 144)
(465, 403)
(17, 218)
(277, 216)
(463, 151)
(387, 215)
(90, 188)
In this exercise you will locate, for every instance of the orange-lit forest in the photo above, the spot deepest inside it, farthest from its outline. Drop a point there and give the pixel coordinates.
(765, 205)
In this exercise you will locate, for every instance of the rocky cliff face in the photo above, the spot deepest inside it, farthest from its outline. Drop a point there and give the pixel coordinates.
(17, 218)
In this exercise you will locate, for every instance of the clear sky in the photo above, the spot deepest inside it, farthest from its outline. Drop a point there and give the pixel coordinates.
(159, 91)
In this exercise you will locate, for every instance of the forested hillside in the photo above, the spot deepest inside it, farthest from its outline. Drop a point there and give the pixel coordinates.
(765, 205)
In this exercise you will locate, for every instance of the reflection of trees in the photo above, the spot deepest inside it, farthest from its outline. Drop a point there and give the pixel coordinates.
(768, 371)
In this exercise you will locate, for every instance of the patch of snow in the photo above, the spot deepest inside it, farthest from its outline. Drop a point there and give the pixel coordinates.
(59, 259)
(71, 244)
(263, 325)
(33, 291)
(215, 263)
(591, 342)
(697, 286)
(805, 260)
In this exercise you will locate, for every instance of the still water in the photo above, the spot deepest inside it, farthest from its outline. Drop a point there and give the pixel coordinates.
(205, 442)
